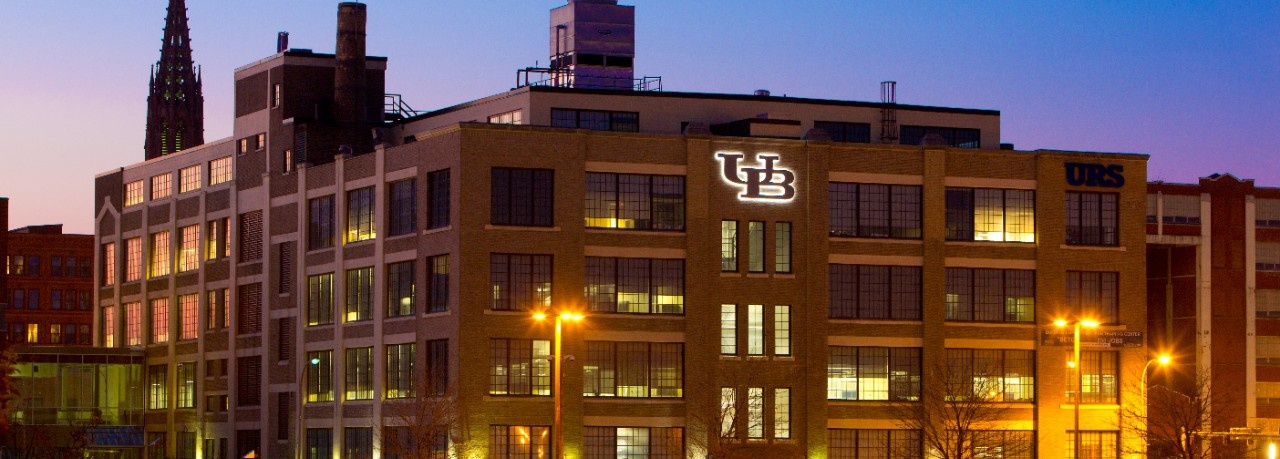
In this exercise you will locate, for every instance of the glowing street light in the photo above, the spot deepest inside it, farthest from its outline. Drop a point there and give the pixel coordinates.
(1075, 363)
(557, 426)
(1163, 360)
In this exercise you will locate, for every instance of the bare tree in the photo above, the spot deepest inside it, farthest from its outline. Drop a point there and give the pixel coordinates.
(958, 414)
(719, 427)
(1175, 423)
(429, 424)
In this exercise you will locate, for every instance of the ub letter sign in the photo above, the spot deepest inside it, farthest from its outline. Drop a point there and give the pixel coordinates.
(766, 182)
(1083, 174)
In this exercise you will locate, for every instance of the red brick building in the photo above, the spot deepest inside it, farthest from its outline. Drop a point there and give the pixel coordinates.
(47, 294)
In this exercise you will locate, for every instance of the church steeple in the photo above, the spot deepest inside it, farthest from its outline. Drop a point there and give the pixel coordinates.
(175, 105)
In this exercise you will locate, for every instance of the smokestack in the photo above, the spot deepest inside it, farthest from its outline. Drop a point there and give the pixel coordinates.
(348, 80)
(282, 42)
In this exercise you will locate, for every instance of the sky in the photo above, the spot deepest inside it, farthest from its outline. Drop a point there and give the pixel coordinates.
(1194, 84)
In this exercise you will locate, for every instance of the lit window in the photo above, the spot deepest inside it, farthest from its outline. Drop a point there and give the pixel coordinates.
(133, 193)
(755, 329)
(519, 367)
(728, 329)
(400, 370)
(994, 375)
(782, 413)
(109, 264)
(186, 385)
(635, 201)
(728, 245)
(220, 171)
(159, 320)
(873, 373)
(161, 186)
(359, 376)
(360, 207)
(133, 259)
(782, 330)
(161, 263)
(188, 306)
(755, 247)
(991, 295)
(633, 369)
(359, 294)
(782, 247)
(979, 214)
(109, 326)
(320, 376)
(218, 244)
(157, 387)
(511, 117)
(320, 299)
(400, 289)
(189, 248)
(755, 412)
(189, 179)
(635, 285)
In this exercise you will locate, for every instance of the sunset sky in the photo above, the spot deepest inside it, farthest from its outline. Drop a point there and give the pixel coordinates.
(1196, 85)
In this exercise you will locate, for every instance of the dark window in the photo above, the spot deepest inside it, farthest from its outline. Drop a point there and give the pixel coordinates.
(868, 443)
(320, 443)
(399, 377)
(520, 282)
(633, 369)
(438, 288)
(358, 443)
(320, 299)
(590, 59)
(870, 210)
(519, 367)
(402, 207)
(1094, 294)
(437, 366)
(875, 292)
(33, 266)
(401, 297)
(1093, 218)
(991, 295)
(873, 373)
(635, 285)
(249, 309)
(55, 266)
(996, 375)
(251, 236)
(249, 381)
(286, 268)
(633, 201)
(597, 120)
(845, 132)
(438, 187)
(522, 197)
(284, 403)
(320, 223)
(955, 137)
(247, 441)
(980, 214)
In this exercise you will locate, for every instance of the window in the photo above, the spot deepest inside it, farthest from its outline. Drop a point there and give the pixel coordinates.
(260, 141)
(249, 381)
(276, 95)
(755, 412)
(438, 203)
(519, 442)
(188, 309)
(250, 236)
(845, 132)
(249, 308)
(156, 444)
(1094, 445)
(633, 369)
(1182, 209)
(991, 215)
(55, 299)
(1093, 218)
(864, 443)
(133, 323)
(875, 292)
(55, 265)
(755, 247)
(360, 225)
(596, 120)
(33, 299)
(55, 333)
(766, 413)
(161, 186)
(218, 244)
(402, 208)
(1100, 372)
(243, 146)
(319, 443)
(634, 201)
(1266, 212)
(288, 160)
(1003, 444)
(33, 333)
(186, 385)
(873, 373)
(1268, 256)
(522, 197)
(755, 329)
(782, 330)
(728, 412)
(877, 211)
(638, 442)
(186, 445)
(132, 259)
(133, 193)
(220, 171)
(729, 329)
(359, 376)
(519, 367)
(400, 289)
(160, 320)
(954, 137)
(511, 117)
(400, 370)
(157, 387)
(728, 245)
(520, 282)
(994, 375)
(320, 299)
(33, 265)
(216, 305)
(320, 376)
(359, 294)
(437, 366)
(358, 443)
(189, 178)
(635, 285)
(438, 288)
(160, 260)
(991, 295)
(108, 326)
(1094, 294)
(782, 247)
(782, 413)
(188, 248)
(320, 223)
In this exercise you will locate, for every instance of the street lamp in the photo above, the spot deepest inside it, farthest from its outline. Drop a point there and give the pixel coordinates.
(557, 426)
(1075, 363)
(300, 443)
(1162, 359)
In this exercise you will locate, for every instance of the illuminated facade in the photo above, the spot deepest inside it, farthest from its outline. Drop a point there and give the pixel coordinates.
(753, 283)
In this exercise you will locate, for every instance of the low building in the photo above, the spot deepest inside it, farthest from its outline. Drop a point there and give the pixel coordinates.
(49, 286)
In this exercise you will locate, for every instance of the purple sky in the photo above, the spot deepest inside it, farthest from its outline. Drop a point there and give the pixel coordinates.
(1194, 84)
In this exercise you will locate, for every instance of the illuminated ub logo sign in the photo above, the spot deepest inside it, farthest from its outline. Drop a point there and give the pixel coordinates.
(761, 183)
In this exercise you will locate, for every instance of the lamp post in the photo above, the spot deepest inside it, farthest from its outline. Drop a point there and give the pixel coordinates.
(1162, 359)
(300, 443)
(1075, 363)
(557, 426)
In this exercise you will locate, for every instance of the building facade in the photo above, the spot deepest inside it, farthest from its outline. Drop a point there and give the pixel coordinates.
(760, 276)
(48, 293)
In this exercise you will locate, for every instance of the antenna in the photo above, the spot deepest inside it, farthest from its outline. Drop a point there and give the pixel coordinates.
(888, 114)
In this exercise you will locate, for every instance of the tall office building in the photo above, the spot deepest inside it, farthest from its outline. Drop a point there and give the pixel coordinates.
(758, 275)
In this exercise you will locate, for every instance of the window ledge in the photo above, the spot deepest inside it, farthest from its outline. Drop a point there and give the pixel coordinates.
(876, 321)
(1030, 244)
(640, 400)
(1103, 248)
(965, 323)
(888, 240)
(437, 230)
(444, 313)
(1091, 406)
(641, 232)
(523, 228)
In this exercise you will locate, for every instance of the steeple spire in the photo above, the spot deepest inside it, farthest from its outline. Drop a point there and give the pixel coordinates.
(175, 105)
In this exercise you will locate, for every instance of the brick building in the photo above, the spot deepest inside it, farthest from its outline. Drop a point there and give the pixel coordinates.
(48, 286)
(767, 275)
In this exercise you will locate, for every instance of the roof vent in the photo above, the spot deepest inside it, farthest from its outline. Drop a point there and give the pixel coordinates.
(762, 92)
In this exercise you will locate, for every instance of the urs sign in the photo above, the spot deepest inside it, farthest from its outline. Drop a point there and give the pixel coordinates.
(1082, 174)
(765, 182)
